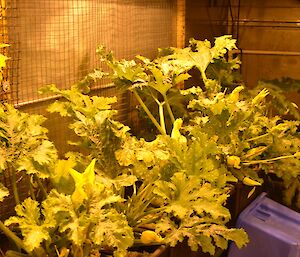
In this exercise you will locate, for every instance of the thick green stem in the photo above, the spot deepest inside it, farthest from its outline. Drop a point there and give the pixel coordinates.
(14, 186)
(169, 109)
(145, 108)
(13, 237)
(268, 160)
(162, 117)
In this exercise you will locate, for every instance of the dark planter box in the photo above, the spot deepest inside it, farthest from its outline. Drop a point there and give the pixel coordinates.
(183, 250)
(239, 200)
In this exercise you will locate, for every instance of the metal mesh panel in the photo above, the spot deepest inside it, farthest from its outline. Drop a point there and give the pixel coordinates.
(8, 16)
(54, 41)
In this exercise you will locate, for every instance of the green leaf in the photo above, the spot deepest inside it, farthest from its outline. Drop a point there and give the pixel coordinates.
(202, 57)
(59, 107)
(60, 176)
(160, 84)
(113, 230)
(197, 158)
(82, 182)
(26, 146)
(181, 77)
(44, 152)
(118, 182)
(222, 45)
(136, 151)
(92, 121)
(204, 233)
(95, 222)
(34, 227)
(239, 236)
(186, 195)
(70, 223)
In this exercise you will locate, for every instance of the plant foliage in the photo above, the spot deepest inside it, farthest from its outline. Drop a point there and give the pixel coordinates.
(134, 191)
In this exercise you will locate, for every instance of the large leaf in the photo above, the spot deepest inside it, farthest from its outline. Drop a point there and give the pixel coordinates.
(83, 182)
(112, 229)
(161, 83)
(203, 233)
(70, 222)
(24, 144)
(60, 176)
(92, 121)
(35, 228)
(185, 195)
(138, 153)
(94, 222)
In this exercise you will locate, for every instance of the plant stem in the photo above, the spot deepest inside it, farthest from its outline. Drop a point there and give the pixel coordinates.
(204, 78)
(169, 108)
(31, 188)
(154, 210)
(268, 160)
(87, 250)
(150, 221)
(162, 117)
(145, 108)
(44, 191)
(14, 186)
(12, 236)
(258, 137)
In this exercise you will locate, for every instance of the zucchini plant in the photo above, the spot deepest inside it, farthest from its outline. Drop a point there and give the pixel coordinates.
(252, 141)
(122, 190)
(157, 168)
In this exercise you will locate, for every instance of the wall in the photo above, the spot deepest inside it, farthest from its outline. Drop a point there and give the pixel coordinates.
(205, 19)
(271, 29)
(268, 33)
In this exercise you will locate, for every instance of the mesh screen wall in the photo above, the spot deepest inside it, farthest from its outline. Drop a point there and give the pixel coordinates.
(54, 42)
(58, 38)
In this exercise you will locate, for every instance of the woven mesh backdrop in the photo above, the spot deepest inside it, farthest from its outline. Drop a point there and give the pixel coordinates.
(56, 39)
(54, 42)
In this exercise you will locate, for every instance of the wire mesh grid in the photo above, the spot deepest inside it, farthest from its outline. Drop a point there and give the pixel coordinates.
(9, 84)
(58, 41)
(55, 41)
